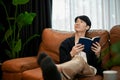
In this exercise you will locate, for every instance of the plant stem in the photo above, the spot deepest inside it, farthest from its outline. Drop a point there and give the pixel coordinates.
(7, 16)
(16, 9)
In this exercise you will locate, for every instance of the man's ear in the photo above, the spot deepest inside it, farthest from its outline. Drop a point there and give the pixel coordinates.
(88, 27)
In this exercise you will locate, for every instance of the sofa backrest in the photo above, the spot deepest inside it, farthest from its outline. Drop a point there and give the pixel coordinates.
(51, 40)
(115, 34)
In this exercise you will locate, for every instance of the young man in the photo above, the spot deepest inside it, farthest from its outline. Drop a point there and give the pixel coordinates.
(73, 60)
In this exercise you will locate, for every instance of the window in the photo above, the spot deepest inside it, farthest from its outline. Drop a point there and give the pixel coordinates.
(103, 13)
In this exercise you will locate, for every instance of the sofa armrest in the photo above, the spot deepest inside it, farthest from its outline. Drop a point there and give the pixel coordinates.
(117, 68)
(20, 64)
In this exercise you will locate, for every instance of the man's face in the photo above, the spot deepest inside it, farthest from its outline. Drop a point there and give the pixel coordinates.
(80, 26)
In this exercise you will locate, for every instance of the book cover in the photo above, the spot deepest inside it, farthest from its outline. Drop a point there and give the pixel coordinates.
(87, 42)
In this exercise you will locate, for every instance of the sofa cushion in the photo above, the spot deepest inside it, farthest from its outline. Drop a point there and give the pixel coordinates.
(51, 40)
(19, 64)
(97, 77)
(33, 74)
(11, 76)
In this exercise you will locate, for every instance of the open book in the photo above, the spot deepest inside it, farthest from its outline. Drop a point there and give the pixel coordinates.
(87, 42)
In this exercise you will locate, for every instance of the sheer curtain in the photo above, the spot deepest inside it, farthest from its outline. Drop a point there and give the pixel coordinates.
(103, 13)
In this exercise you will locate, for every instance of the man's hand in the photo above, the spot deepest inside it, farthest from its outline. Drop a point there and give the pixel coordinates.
(96, 48)
(76, 49)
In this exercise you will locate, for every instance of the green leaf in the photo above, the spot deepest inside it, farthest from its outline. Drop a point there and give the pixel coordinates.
(9, 53)
(19, 2)
(8, 34)
(25, 18)
(116, 60)
(113, 61)
(17, 47)
(116, 47)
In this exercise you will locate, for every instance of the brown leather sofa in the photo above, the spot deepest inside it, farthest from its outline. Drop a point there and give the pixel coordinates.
(27, 68)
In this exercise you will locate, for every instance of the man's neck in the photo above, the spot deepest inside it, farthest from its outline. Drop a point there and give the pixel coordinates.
(79, 34)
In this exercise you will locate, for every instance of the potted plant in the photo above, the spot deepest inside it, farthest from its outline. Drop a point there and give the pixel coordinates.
(114, 60)
(16, 24)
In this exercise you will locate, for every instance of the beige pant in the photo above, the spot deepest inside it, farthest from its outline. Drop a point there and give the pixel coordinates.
(76, 66)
